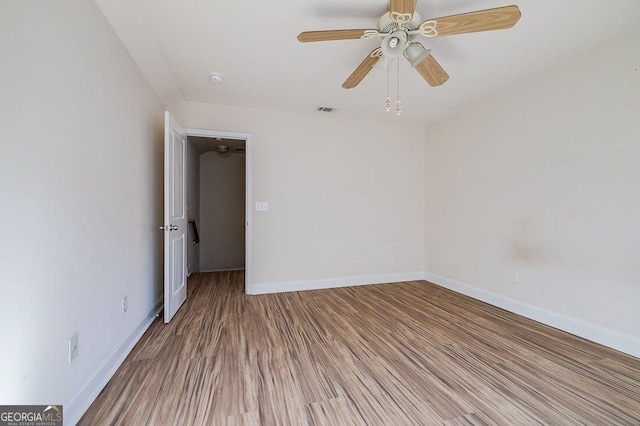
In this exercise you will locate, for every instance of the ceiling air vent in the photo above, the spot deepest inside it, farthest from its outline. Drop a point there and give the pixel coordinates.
(326, 109)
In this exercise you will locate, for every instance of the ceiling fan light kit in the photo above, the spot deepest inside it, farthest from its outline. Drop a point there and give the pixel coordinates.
(416, 53)
(400, 26)
(393, 45)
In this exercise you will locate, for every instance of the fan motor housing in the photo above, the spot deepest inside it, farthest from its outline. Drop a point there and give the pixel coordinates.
(386, 24)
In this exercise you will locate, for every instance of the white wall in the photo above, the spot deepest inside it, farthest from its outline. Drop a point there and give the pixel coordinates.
(543, 180)
(193, 205)
(81, 191)
(337, 188)
(222, 211)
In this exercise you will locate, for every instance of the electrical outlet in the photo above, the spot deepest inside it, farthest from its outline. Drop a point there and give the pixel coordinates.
(513, 277)
(125, 305)
(356, 259)
(74, 348)
(262, 206)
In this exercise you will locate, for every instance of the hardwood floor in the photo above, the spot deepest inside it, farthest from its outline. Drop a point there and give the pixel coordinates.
(391, 354)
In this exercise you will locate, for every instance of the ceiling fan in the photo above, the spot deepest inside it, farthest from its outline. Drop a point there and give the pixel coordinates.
(401, 25)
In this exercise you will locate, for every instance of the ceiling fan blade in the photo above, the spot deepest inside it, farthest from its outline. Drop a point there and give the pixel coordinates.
(499, 18)
(363, 69)
(432, 72)
(402, 10)
(328, 35)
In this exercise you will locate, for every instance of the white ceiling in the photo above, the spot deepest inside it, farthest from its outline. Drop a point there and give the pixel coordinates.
(178, 43)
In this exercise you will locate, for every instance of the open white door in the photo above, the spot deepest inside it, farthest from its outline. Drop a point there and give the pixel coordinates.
(175, 217)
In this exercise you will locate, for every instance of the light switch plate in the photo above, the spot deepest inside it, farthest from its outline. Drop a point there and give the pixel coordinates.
(262, 206)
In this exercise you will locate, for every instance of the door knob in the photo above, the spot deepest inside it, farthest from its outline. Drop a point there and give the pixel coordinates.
(161, 227)
(173, 227)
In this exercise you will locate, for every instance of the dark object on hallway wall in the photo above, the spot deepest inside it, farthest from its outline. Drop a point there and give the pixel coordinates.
(194, 230)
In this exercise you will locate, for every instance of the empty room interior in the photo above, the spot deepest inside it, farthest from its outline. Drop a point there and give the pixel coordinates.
(322, 213)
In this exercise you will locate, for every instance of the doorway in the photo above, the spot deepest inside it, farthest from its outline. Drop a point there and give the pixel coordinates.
(219, 202)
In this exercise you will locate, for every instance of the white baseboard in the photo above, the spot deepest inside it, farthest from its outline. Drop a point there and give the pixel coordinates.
(222, 270)
(80, 403)
(281, 287)
(602, 335)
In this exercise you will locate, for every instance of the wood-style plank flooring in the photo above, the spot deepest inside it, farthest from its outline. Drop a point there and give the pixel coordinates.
(408, 353)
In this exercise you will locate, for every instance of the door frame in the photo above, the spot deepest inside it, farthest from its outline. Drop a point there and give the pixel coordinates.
(248, 191)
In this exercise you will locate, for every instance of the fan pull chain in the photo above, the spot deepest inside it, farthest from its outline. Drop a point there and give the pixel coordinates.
(398, 103)
(387, 101)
